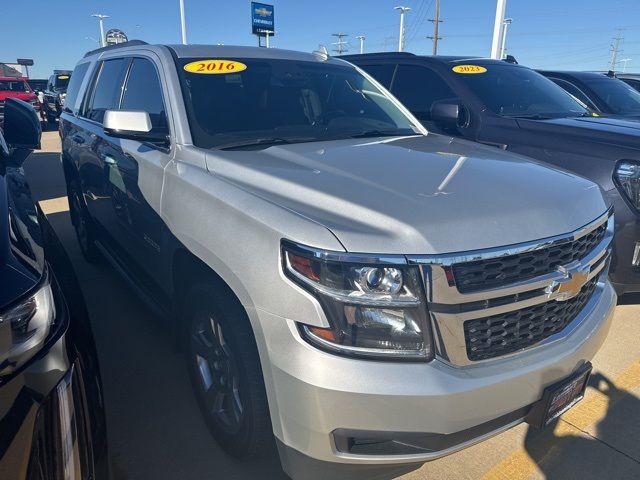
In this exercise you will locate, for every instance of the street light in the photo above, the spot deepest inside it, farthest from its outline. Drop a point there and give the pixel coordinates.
(183, 23)
(101, 18)
(402, 11)
(505, 25)
(361, 38)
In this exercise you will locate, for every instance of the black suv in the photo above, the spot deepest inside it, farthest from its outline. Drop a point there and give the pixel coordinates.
(55, 94)
(515, 108)
(52, 423)
(604, 94)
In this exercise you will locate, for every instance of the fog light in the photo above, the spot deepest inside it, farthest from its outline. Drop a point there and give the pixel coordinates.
(635, 261)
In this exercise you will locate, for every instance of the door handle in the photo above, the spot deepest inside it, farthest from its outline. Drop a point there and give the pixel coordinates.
(77, 139)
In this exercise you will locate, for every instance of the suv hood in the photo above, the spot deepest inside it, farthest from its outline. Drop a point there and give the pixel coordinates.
(414, 195)
(590, 129)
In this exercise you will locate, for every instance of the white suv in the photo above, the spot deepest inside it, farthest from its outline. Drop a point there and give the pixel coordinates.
(373, 295)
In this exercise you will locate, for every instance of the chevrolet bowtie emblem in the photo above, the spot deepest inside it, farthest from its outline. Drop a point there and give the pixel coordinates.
(570, 285)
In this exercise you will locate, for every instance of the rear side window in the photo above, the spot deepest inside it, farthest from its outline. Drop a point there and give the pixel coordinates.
(107, 88)
(74, 87)
(143, 92)
(418, 87)
(382, 73)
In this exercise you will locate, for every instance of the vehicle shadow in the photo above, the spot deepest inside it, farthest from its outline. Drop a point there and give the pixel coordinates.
(564, 452)
(155, 429)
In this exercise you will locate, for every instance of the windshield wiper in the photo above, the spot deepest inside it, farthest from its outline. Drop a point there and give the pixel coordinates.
(266, 141)
(530, 116)
(379, 133)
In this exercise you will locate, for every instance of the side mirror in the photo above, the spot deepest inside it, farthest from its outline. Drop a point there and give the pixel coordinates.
(448, 114)
(22, 129)
(132, 125)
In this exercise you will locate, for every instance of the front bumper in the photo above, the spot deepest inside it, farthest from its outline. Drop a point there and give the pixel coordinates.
(315, 397)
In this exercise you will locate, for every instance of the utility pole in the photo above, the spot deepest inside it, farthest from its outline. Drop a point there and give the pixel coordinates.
(496, 43)
(341, 45)
(385, 42)
(183, 23)
(101, 18)
(361, 38)
(436, 28)
(402, 11)
(625, 60)
(615, 50)
(505, 25)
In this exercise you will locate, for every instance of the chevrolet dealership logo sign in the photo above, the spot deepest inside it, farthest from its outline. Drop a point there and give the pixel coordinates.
(263, 12)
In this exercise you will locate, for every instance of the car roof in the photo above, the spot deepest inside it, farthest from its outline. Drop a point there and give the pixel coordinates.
(444, 59)
(225, 51)
(575, 74)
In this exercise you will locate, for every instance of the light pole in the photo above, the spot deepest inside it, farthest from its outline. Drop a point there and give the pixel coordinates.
(505, 25)
(361, 38)
(183, 23)
(496, 47)
(625, 60)
(402, 11)
(101, 18)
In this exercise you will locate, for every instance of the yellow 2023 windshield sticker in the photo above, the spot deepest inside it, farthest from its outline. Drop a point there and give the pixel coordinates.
(215, 67)
(469, 69)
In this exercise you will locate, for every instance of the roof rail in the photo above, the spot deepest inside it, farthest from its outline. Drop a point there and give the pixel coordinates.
(378, 54)
(130, 43)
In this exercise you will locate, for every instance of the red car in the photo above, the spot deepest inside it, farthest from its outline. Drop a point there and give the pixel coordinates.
(16, 87)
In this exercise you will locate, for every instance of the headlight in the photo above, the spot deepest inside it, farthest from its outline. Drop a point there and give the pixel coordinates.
(627, 177)
(24, 327)
(375, 308)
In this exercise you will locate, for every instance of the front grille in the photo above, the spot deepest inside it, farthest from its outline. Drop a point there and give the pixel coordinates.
(500, 272)
(497, 335)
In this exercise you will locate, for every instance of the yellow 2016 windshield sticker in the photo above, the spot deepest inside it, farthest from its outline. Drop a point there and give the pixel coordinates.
(469, 69)
(215, 67)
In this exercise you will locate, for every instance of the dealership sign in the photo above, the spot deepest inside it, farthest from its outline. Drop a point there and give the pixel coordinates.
(262, 22)
(115, 36)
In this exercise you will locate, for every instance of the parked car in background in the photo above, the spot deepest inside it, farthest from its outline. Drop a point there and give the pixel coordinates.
(16, 87)
(55, 93)
(604, 94)
(38, 85)
(517, 109)
(632, 79)
(51, 407)
(372, 295)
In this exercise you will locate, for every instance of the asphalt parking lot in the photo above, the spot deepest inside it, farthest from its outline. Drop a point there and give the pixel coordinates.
(154, 425)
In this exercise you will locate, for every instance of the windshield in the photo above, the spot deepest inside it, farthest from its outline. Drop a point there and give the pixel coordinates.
(14, 86)
(285, 101)
(622, 99)
(61, 83)
(514, 91)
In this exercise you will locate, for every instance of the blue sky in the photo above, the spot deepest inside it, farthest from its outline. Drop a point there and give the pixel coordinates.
(569, 34)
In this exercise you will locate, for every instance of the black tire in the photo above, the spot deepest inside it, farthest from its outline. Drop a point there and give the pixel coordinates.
(224, 367)
(85, 231)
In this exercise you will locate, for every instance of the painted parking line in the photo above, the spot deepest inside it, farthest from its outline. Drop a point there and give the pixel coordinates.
(54, 205)
(519, 465)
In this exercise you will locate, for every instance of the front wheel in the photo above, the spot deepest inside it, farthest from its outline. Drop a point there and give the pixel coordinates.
(224, 367)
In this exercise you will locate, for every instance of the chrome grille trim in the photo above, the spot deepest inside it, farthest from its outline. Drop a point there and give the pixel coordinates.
(441, 296)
